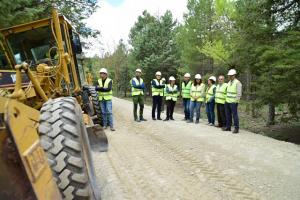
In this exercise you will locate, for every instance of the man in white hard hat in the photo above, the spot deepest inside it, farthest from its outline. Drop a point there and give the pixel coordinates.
(105, 94)
(220, 101)
(137, 92)
(171, 98)
(233, 96)
(186, 96)
(210, 100)
(157, 86)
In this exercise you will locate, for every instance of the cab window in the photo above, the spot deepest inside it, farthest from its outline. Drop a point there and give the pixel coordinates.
(3, 61)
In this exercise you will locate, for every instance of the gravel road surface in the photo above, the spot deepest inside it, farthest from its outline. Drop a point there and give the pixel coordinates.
(175, 160)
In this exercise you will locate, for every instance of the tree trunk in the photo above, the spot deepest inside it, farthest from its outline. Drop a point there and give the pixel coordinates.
(271, 115)
(248, 91)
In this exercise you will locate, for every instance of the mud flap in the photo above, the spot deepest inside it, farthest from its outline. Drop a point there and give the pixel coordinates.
(97, 138)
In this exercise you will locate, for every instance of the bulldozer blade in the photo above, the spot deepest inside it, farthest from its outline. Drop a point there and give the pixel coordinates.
(97, 138)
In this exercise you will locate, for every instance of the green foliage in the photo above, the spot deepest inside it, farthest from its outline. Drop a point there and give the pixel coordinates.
(216, 50)
(119, 66)
(21, 11)
(259, 38)
(18, 11)
(154, 46)
(205, 39)
(268, 46)
(280, 68)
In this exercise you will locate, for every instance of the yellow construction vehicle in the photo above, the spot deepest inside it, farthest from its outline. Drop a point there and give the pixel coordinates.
(45, 138)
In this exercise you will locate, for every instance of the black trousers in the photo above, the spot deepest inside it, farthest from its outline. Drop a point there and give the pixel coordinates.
(231, 110)
(156, 104)
(170, 108)
(221, 115)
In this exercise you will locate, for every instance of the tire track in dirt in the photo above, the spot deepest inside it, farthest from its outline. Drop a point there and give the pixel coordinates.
(234, 187)
(193, 187)
(108, 175)
(137, 175)
(178, 184)
(175, 160)
(187, 185)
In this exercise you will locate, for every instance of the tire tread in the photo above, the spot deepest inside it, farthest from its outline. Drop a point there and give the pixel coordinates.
(60, 137)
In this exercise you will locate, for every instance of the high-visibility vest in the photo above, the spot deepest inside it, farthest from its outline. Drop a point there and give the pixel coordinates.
(198, 91)
(231, 96)
(209, 92)
(104, 95)
(158, 91)
(135, 91)
(221, 93)
(186, 90)
(169, 95)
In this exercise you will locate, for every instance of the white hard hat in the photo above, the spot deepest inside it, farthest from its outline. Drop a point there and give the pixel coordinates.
(158, 73)
(103, 70)
(231, 72)
(213, 78)
(187, 75)
(197, 76)
(163, 79)
(138, 70)
(172, 78)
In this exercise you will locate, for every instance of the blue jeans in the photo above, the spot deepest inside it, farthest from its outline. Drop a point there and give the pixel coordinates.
(210, 111)
(231, 111)
(186, 107)
(195, 105)
(106, 110)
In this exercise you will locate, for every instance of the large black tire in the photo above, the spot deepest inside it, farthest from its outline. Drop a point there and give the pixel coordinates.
(64, 139)
(97, 108)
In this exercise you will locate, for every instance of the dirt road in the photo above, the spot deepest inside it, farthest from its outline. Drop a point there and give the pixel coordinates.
(175, 160)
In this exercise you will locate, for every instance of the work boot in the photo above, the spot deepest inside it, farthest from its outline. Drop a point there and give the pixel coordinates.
(190, 121)
(159, 118)
(226, 129)
(235, 131)
(171, 118)
(197, 121)
(143, 119)
(167, 119)
(137, 120)
(112, 129)
(153, 118)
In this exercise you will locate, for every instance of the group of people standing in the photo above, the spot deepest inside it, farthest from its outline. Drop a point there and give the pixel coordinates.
(225, 96)
(195, 94)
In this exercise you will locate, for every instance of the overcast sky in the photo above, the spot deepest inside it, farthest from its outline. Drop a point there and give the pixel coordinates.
(114, 19)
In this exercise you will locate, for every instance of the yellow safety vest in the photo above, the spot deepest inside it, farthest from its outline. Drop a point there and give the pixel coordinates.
(135, 91)
(221, 93)
(231, 96)
(198, 90)
(169, 95)
(186, 90)
(209, 92)
(104, 95)
(158, 91)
